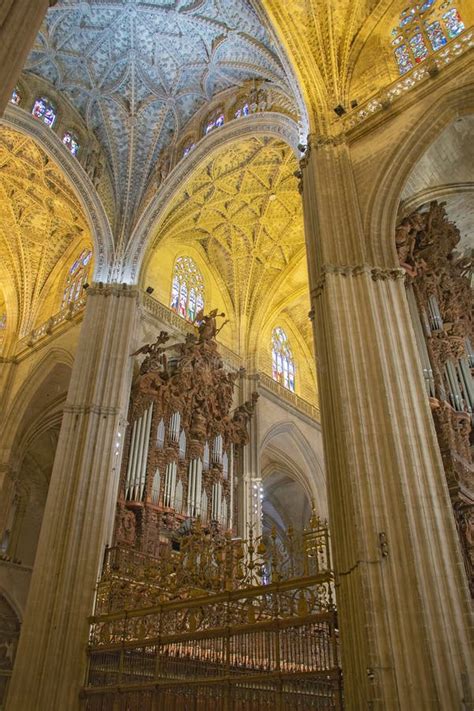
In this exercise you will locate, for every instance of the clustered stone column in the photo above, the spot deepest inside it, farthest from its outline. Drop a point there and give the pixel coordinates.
(50, 663)
(401, 591)
(249, 510)
(20, 21)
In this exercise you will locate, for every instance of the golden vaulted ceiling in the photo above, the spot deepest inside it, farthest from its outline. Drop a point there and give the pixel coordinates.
(323, 39)
(244, 210)
(241, 212)
(41, 222)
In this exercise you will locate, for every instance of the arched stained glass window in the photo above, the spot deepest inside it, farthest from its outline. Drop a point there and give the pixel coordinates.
(424, 27)
(188, 149)
(187, 290)
(43, 110)
(282, 359)
(214, 123)
(71, 142)
(243, 111)
(15, 98)
(76, 278)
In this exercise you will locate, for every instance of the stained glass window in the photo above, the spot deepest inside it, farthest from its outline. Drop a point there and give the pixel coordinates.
(71, 142)
(188, 149)
(214, 123)
(243, 111)
(282, 359)
(423, 28)
(44, 111)
(403, 58)
(453, 22)
(436, 35)
(187, 289)
(3, 320)
(15, 98)
(76, 278)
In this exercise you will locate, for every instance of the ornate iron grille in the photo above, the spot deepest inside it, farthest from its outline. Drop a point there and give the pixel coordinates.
(263, 637)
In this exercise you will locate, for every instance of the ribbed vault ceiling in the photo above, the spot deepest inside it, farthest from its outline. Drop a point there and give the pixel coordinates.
(323, 39)
(138, 71)
(243, 208)
(40, 219)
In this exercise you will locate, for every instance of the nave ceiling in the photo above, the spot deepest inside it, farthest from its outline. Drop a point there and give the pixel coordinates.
(41, 223)
(138, 72)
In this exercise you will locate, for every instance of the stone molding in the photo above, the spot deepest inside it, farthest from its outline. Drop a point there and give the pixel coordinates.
(101, 289)
(101, 232)
(91, 409)
(351, 270)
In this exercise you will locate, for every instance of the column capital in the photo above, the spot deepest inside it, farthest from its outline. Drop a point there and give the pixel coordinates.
(103, 289)
(354, 270)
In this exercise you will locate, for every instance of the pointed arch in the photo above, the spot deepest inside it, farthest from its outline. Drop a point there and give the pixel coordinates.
(433, 117)
(16, 422)
(101, 231)
(264, 123)
(312, 478)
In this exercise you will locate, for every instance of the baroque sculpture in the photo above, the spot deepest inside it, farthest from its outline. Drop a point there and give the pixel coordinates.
(440, 280)
(182, 442)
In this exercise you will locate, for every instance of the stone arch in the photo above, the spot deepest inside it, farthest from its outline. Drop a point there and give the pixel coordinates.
(436, 193)
(15, 426)
(101, 232)
(309, 472)
(395, 170)
(265, 123)
(31, 432)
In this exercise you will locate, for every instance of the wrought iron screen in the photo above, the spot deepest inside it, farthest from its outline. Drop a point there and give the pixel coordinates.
(240, 646)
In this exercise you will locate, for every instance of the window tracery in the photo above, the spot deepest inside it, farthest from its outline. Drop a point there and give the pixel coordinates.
(76, 278)
(424, 28)
(71, 142)
(244, 110)
(15, 98)
(283, 365)
(187, 291)
(44, 111)
(215, 122)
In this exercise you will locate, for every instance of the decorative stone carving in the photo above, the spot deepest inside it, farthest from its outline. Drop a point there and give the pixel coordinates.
(136, 121)
(440, 280)
(182, 439)
(354, 270)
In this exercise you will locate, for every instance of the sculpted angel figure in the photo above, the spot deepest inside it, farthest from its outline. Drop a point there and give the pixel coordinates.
(155, 355)
(207, 325)
(406, 241)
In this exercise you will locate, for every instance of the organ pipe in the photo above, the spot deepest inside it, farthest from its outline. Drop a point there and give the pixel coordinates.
(180, 442)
